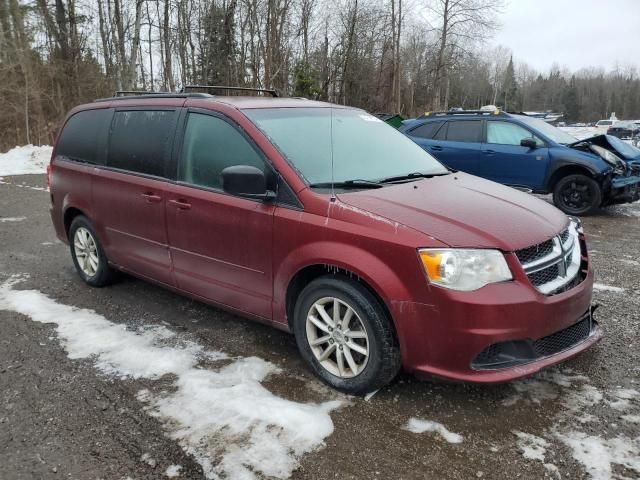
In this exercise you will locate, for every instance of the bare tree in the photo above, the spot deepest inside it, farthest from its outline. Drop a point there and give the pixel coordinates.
(459, 21)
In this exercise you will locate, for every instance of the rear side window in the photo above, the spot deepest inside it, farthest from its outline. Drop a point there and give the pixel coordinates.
(465, 131)
(211, 145)
(426, 130)
(506, 133)
(82, 138)
(139, 140)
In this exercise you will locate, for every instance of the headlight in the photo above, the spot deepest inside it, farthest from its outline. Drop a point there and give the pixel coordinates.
(609, 157)
(577, 223)
(464, 270)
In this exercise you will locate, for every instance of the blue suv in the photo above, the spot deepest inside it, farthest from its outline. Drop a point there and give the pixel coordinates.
(528, 153)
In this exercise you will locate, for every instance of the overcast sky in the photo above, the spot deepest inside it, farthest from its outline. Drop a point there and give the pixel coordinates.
(572, 33)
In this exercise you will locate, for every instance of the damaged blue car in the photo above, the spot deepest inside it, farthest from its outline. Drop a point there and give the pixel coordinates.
(529, 153)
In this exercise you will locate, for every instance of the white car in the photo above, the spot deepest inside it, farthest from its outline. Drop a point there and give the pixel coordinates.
(605, 124)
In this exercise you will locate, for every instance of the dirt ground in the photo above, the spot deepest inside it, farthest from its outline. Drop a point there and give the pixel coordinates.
(62, 418)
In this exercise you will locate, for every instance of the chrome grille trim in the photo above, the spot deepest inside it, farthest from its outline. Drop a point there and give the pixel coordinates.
(564, 259)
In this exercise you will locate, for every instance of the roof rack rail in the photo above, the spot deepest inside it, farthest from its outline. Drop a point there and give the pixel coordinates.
(124, 93)
(131, 94)
(270, 91)
(462, 112)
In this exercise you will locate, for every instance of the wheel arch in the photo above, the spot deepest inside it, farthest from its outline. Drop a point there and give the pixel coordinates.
(569, 169)
(309, 273)
(69, 214)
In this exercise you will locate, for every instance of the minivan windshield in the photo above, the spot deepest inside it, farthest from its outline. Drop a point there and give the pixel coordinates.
(549, 131)
(360, 147)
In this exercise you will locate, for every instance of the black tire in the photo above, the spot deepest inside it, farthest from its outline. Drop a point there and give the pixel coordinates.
(104, 274)
(383, 361)
(577, 194)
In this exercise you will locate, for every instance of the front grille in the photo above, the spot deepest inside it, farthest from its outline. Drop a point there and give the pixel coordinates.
(490, 355)
(564, 339)
(531, 254)
(546, 275)
(518, 352)
(552, 265)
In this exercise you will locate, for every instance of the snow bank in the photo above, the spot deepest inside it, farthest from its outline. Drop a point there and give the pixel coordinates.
(417, 425)
(232, 425)
(25, 160)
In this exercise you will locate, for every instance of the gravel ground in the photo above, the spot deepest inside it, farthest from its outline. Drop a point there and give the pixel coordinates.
(63, 418)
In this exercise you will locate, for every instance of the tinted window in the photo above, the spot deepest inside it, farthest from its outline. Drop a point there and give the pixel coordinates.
(211, 145)
(426, 130)
(139, 141)
(465, 131)
(82, 138)
(442, 133)
(505, 133)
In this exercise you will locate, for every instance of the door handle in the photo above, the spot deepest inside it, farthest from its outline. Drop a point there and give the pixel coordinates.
(151, 197)
(436, 148)
(489, 152)
(181, 204)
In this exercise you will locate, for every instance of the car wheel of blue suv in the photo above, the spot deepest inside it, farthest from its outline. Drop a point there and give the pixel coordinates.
(577, 194)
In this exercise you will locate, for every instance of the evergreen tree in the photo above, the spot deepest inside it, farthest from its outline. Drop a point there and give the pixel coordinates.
(509, 96)
(570, 101)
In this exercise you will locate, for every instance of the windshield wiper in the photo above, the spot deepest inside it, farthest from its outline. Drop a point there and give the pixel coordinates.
(411, 176)
(347, 184)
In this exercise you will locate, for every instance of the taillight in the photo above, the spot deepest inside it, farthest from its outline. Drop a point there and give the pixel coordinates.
(49, 176)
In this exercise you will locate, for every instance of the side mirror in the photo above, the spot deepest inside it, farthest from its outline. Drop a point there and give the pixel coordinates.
(246, 181)
(528, 142)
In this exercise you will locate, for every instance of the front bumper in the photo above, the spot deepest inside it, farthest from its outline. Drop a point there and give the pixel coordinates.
(445, 336)
(623, 190)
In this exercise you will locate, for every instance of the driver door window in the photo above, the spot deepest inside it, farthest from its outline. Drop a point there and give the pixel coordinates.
(210, 145)
(505, 133)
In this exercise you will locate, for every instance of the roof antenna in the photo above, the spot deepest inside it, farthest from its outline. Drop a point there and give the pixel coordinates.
(333, 192)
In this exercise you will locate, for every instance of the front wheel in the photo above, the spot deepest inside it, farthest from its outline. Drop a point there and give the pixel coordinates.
(345, 335)
(577, 194)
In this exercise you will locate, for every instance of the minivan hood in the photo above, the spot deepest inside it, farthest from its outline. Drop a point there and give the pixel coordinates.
(461, 210)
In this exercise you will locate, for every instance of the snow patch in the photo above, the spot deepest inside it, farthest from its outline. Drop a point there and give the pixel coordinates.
(25, 160)
(231, 424)
(532, 447)
(607, 288)
(173, 471)
(598, 454)
(631, 418)
(146, 458)
(417, 425)
(12, 219)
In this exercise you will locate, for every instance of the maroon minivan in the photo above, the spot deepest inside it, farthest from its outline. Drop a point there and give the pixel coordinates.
(324, 221)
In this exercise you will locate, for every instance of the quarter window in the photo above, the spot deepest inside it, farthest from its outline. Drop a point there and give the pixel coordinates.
(82, 138)
(426, 130)
(211, 145)
(139, 140)
(506, 133)
(465, 131)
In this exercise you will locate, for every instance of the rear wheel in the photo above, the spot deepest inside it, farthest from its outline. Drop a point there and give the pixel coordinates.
(88, 256)
(577, 194)
(345, 335)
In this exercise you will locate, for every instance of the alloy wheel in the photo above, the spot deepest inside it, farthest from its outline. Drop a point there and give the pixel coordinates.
(577, 195)
(337, 337)
(86, 251)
